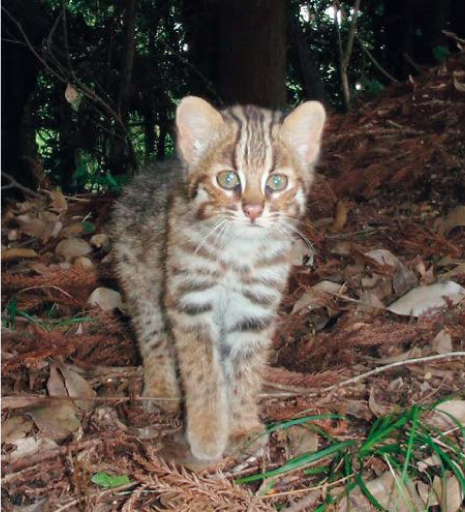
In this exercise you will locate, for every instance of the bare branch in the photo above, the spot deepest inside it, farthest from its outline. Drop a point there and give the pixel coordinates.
(14, 184)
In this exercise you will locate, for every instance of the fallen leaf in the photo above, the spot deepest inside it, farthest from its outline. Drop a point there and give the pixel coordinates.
(340, 218)
(386, 492)
(15, 428)
(84, 262)
(442, 343)
(71, 94)
(32, 226)
(71, 248)
(384, 257)
(379, 409)
(56, 420)
(443, 412)
(454, 219)
(423, 298)
(30, 445)
(458, 85)
(450, 495)
(301, 253)
(106, 299)
(77, 386)
(55, 383)
(318, 295)
(38, 506)
(73, 230)
(298, 440)
(59, 203)
(101, 241)
(18, 253)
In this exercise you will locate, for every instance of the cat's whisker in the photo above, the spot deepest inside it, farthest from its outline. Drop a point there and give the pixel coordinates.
(202, 242)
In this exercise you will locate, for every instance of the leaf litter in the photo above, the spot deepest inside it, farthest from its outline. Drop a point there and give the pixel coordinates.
(381, 283)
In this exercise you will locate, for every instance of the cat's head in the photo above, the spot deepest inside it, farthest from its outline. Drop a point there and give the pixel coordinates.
(249, 166)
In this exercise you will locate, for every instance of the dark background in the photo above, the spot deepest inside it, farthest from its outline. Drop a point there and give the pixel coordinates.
(89, 88)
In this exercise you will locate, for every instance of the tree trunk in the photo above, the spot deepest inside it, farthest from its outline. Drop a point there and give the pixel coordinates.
(252, 63)
(310, 76)
(121, 158)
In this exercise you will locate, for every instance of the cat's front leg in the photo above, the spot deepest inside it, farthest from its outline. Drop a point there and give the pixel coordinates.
(203, 383)
(244, 369)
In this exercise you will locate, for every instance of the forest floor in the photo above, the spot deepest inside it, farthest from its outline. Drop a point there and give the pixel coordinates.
(383, 285)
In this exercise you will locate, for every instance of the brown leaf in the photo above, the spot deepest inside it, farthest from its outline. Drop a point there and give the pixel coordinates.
(73, 230)
(18, 253)
(454, 219)
(298, 440)
(77, 386)
(71, 94)
(55, 383)
(71, 248)
(448, 491)
(442, 343)
(340, 219)
(59, 203)
(56, 420)
(106, 299)
(15, 428)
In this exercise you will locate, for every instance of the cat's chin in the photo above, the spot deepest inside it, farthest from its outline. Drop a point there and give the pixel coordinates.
(251, 232)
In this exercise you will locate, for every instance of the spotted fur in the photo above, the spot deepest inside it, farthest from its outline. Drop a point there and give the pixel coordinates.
(203, 280)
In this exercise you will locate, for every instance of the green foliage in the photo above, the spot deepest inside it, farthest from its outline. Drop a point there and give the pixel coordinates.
(399, 440)
(441, 53)
(109, 481)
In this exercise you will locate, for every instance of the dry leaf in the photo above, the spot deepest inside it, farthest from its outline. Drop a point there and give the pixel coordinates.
(77, 386)
(59, 203)
(71, 248)
(318, 295)
(423, 298)
(458, 85)
(442, 343)
(386, 492)
(450, 496)
(340, 219)
(30, 445)
(101, 241)
(301, 253)
(55, 383)
(454, 219)
(56, 420)
(15, 428)
(71, 94)
(298, 440)
(73, 230)
(38, 506)
(32, 226)
(384, 257)
(18, 253)
(84, 262)
(106, 299)
(443, 412)
(379, 409)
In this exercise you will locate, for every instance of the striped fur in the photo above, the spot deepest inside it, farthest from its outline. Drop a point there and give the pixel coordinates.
(202, 279)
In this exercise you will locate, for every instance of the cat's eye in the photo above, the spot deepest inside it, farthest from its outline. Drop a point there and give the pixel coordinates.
(277, 182)
(228, 179)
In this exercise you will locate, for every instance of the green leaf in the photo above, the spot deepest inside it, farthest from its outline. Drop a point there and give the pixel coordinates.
(109, 481)
(299, 462)
(441, 53)
(88, 227)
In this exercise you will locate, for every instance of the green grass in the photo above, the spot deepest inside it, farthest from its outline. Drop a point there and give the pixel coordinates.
(397, 441)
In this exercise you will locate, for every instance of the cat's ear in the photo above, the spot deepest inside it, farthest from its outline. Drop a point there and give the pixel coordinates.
(198, 123)
(302, 130)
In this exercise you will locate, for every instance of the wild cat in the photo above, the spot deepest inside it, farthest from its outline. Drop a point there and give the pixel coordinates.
(201, 248)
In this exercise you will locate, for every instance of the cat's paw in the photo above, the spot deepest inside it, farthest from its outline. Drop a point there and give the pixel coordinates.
(247, 442)
(206, 445)
(170, 406)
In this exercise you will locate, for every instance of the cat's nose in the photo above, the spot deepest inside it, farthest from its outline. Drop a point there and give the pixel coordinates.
(253, 211)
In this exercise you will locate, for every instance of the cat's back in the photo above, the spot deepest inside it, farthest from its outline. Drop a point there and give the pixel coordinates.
(139, 215)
